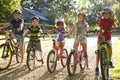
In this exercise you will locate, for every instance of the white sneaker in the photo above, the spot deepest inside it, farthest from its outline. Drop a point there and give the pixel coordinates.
(21, 64)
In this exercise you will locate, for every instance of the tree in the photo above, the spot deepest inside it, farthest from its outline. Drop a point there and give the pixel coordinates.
(55, 8)
(7, 7)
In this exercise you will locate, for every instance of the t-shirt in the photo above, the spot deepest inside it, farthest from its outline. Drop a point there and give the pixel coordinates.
(16, 24)
(61, 34)
(106, 25)
(80, 31)
(34, 33)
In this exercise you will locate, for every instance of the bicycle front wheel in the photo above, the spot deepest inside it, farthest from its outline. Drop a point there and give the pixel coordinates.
(64, 58)
(5, 56)
(104, 64)
(71, 64)
(82, 62)
(51, 61)
(31, 59)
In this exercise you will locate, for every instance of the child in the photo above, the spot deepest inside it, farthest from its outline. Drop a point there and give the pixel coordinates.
(105, 23)
(18, 29)
(34, 36)
(60, 30)
(80, 30)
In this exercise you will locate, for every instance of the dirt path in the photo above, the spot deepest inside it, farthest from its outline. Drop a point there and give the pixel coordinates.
(40, 72)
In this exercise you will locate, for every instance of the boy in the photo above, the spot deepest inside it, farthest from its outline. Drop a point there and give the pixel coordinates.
(105, 23)
(34, 36)
(18, 29)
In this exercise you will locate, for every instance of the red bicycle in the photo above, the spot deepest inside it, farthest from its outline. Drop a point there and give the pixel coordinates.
(55, 55)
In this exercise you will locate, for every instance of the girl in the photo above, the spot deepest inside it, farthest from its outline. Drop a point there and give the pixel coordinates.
(60, 30)
(80, 30)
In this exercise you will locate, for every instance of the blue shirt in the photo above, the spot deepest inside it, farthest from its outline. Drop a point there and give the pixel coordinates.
(16, 24)
(61, 35)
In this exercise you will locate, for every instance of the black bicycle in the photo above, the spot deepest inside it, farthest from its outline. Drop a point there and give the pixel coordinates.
(8, 49)
(32, 57)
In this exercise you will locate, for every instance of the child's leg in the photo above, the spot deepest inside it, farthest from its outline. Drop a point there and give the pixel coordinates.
(21, 52)
(21, 47)
(76, 44)
(38, 47)
(84, 47)
(61, 48)
(97, 55)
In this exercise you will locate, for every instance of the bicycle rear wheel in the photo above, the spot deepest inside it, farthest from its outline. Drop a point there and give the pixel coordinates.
(5, 56)
(64, 58)
(51, 61)
(31, 59)
(104, 64)
(71, 63)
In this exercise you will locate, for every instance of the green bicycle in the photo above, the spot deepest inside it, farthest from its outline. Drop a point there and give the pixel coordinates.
(104, 57)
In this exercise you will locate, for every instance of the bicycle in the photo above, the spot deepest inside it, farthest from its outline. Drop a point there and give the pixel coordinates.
(54, 55)
(75, 57)
(7, 50)
(104, 56)
(32, 57)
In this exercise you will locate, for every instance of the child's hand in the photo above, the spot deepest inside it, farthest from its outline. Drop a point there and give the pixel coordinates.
(18, 29)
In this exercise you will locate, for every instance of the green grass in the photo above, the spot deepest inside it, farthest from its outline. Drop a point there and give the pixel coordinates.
(115, 73)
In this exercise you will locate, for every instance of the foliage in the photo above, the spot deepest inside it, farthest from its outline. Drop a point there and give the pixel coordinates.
(6, 9)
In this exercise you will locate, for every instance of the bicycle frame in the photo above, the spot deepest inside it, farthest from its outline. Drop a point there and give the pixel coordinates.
(57, 48)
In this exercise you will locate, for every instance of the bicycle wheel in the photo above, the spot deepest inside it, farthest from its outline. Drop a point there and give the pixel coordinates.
(82, 62)
(64, 58)
(51, 61)
(5, 56)
(71, 64)
(31, 60)
(18, 55)
(104, 65)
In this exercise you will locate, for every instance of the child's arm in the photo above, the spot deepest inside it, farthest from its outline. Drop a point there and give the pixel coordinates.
(21, 26)
(72, 30)
(86, 29)
(51, 31)
(5, 26)
(25, 33)
(115, 25)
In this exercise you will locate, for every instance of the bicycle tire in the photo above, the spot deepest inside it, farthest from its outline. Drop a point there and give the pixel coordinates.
(82, 62)
(6, 56)
(51, 68)
(18, 55)
(30, 57)
(71, 73)
(65, 54)
(103, 64)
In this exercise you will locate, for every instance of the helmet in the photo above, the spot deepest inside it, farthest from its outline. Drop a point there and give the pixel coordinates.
(35, 17)
(107, 10)
(59, 21)
(17, 11)
(82, 13)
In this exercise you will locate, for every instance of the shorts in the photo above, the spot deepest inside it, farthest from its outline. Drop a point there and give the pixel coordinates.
(36, 44)
(18, 37)
(80, 40)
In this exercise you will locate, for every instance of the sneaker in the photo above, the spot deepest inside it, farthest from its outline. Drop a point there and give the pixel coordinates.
(21, 65)
(41, 60)
(96, 71)
(97, 52)
(111, 65)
